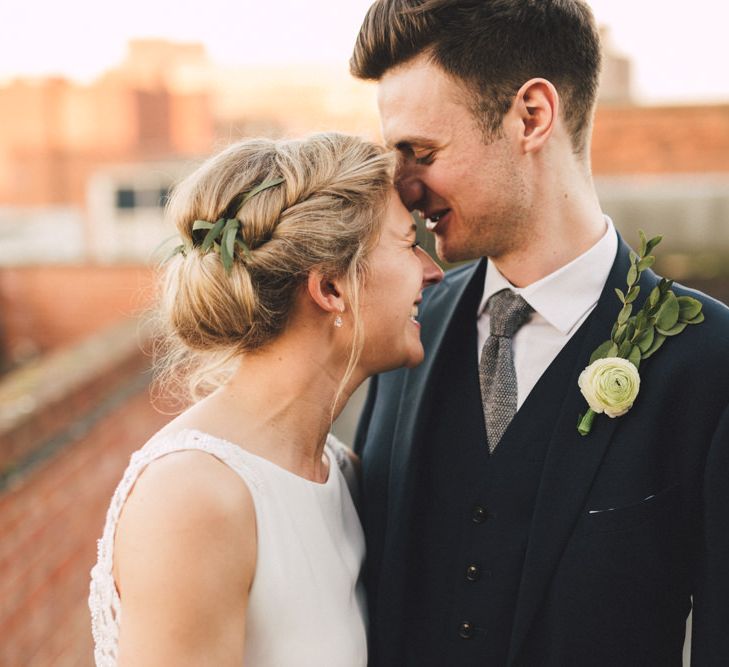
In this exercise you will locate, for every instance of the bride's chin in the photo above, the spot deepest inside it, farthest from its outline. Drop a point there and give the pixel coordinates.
(414, 358)
(416, 361)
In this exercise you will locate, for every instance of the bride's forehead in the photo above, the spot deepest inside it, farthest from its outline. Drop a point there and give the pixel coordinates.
(397, 217)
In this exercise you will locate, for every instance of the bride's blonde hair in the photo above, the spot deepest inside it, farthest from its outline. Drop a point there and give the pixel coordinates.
(326, 215)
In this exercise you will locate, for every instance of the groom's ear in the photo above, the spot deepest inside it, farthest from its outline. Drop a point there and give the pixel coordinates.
(325, 291)
(536, 107)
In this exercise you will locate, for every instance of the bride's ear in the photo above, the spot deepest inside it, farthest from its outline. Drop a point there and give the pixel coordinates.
(326, 292)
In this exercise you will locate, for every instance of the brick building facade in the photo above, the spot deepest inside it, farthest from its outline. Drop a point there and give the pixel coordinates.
(54, 133)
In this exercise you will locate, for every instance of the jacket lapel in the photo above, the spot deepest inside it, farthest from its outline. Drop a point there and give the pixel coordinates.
(571, 464)
(418, 386)
(412, 417)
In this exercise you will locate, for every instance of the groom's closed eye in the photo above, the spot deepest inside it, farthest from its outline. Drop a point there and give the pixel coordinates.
(425, 158)
(416, 150)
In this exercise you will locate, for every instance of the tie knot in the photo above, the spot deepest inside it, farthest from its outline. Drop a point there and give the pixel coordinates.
(508, 312)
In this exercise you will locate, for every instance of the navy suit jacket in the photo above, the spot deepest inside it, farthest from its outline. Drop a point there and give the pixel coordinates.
(608, 588)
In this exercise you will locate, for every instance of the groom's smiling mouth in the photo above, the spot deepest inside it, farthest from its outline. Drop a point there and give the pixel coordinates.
(414, 313)
(432, 218)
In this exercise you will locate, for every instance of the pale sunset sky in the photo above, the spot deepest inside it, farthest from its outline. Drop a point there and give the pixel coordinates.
(678, 49)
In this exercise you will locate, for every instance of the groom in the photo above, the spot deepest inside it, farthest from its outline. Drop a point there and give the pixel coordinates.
(497, 534)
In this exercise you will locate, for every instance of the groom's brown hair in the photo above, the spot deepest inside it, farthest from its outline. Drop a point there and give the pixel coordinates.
(493, 47)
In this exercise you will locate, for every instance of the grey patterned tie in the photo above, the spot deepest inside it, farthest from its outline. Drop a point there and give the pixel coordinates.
(507, 313)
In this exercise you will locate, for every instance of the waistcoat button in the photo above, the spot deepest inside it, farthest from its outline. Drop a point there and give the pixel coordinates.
(473, 573)
(479, 514)
(465, 630)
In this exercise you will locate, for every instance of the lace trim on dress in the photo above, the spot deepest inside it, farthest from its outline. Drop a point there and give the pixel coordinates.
(343, 457)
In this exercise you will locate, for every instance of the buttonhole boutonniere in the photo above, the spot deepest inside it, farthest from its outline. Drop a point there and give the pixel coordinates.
(611, 382)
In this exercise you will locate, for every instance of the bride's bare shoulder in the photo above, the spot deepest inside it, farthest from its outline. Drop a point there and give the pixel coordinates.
(186, 489)
(188, 515)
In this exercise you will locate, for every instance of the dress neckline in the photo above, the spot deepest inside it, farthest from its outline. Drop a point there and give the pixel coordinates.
(327, 449)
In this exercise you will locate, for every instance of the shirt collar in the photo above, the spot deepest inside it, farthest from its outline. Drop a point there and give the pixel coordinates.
(564, 296)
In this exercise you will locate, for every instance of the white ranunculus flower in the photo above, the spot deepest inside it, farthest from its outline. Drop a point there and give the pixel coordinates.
(610, 385)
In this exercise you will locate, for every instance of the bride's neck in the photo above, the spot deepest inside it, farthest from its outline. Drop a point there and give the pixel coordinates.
(280, 401)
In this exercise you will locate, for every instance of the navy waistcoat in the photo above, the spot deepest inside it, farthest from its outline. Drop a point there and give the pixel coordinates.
(473, 510)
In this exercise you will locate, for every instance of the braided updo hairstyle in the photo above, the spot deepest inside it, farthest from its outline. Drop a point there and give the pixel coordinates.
(326, 215)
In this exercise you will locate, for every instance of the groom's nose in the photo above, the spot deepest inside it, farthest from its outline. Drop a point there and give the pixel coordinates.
(411, 189)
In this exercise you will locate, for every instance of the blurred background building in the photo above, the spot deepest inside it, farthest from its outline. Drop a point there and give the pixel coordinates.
(85, 170)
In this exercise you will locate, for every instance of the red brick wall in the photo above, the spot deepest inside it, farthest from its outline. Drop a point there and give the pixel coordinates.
(661, 140)
(46, 307)
(49, 523)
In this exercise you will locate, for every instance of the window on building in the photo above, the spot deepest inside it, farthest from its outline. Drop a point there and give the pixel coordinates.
(125, 198)
(130, 198)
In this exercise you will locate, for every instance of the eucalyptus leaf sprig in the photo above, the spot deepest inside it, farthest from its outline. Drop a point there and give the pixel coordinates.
(638, 336)
(225, 234)
(222, 237)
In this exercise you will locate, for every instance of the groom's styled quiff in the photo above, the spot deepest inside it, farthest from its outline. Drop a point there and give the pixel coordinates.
(493, 47)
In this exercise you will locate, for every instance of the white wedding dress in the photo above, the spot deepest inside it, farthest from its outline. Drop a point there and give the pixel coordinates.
(306, 604)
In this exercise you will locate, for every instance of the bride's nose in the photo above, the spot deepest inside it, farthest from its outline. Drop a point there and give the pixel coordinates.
(432, 273)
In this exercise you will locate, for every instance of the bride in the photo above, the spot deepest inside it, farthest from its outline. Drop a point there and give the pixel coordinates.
(232, 537)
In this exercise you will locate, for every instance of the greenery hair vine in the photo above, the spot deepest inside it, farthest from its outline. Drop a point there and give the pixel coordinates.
(225, 234)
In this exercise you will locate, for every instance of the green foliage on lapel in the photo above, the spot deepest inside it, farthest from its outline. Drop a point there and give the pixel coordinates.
(639, 336)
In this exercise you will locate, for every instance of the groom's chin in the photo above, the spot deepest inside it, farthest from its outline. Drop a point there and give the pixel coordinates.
(452, 253)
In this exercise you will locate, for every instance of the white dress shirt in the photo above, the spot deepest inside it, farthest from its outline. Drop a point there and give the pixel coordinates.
(561, 302)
